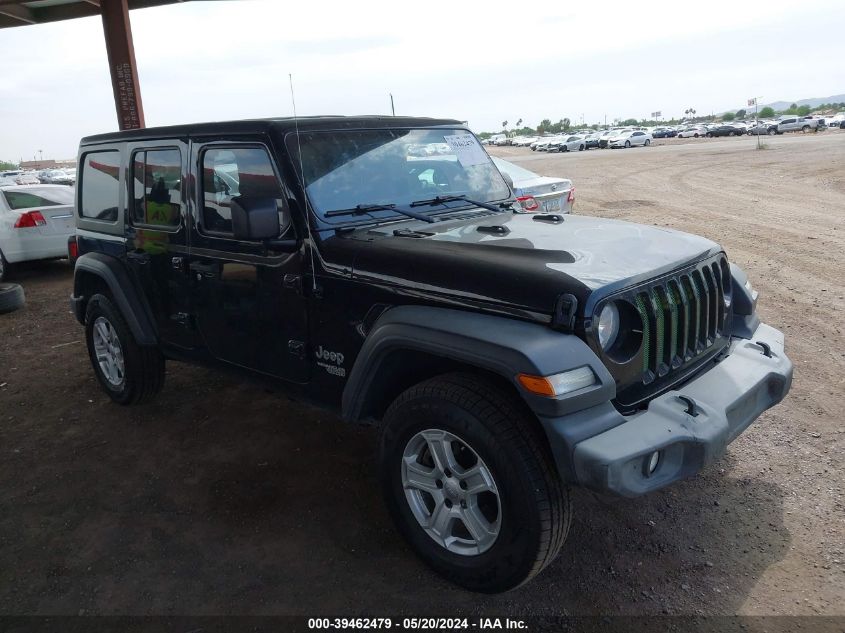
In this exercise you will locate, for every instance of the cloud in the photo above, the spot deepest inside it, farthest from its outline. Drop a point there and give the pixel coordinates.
(481, 62)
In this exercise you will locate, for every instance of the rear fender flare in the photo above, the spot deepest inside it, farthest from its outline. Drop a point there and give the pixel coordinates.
(130, 301)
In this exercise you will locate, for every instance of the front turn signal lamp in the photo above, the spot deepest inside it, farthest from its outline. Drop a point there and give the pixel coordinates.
(558, 384)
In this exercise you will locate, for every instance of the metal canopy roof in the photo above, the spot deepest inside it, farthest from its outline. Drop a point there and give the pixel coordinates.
(23, 13)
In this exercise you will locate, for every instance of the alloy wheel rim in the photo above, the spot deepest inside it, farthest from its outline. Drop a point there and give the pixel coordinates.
(108, 351)
(451, 492)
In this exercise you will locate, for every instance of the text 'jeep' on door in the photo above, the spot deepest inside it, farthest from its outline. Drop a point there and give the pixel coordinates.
(375, 264)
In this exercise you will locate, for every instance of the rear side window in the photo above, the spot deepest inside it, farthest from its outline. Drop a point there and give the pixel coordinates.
(100, 186)
(231, 172)
(157, 183)
(38, 197)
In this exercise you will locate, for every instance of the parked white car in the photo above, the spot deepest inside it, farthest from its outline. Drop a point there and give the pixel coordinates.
(35, 223)
(630, 139)
(570, 143)
(693, 132)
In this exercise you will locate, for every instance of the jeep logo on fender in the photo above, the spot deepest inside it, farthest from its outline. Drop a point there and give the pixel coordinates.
(324, 354)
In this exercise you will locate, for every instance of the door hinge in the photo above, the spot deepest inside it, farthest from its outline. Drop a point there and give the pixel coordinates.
(293, 282)
(297, 348)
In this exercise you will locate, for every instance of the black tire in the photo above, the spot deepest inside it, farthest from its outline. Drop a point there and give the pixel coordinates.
(535, 506)
(772, 132)
(580, 148)
(4, 267)
(11, 297)
(696, 135)
(143, 375)
(731, 133)
(627, 144)
(647, 142)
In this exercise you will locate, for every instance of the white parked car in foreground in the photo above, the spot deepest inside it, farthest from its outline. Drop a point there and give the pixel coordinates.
(630, 138)
(536, 193)
(35, 223)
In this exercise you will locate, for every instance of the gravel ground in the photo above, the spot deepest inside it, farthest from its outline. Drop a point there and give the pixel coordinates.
(222, 497)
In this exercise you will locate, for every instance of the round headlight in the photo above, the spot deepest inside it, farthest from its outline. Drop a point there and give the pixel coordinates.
(608, 326)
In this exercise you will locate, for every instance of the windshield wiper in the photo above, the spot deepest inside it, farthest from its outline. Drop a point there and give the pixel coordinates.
(443, 199)
(362, 209)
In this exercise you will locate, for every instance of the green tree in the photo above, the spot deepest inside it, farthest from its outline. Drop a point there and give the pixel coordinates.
(7, 165)
(628, 122)
(740, 114)
(728, 116)
(565, 124)
(544, 126)
(803, 110)
(767, 112)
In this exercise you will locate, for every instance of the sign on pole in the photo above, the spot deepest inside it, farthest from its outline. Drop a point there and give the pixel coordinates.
(656, 115)
(752, 101)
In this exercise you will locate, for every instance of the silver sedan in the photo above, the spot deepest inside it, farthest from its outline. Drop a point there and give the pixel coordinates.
(540, 194)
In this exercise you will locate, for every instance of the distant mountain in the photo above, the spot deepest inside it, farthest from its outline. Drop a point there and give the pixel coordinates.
(783, 105)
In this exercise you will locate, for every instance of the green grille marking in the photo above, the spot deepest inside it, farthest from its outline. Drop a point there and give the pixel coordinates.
(697, 331)
(673, 316)
(659, 329)
(646, 330)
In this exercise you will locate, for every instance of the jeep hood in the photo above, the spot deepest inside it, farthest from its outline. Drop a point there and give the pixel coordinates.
(527, 265)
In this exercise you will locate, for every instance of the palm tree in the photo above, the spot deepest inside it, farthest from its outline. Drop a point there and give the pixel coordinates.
(504, 124)
(519, 123)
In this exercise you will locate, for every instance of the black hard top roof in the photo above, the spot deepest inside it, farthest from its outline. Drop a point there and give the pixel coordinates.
(282, 125)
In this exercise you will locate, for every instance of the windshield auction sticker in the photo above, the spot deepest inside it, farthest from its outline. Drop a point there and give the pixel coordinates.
(467, 149)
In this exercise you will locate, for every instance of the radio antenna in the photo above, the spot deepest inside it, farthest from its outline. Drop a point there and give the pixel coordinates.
(311, 246)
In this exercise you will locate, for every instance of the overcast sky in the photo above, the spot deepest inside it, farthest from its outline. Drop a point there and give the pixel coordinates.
(482, 62)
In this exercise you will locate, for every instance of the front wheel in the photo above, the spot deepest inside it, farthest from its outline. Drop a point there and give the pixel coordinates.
(580, 148)
(627, 144)
(470, 483)
(805, 129)
(129, 373)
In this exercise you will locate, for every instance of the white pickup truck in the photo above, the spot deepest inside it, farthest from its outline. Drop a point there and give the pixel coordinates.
(798, 124)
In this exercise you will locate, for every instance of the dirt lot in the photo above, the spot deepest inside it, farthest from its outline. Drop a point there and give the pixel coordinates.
(222, 497)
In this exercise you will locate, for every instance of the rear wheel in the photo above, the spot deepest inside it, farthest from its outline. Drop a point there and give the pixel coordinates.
(580, 148)
(647, 142)
(129, 373)
(627, 144)
(470, 483)
(805, 129)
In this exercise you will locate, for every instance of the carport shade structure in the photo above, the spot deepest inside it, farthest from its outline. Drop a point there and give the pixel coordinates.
(118, 34)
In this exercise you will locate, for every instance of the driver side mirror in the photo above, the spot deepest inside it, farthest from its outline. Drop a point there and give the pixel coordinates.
(508, 179)
(255, 219)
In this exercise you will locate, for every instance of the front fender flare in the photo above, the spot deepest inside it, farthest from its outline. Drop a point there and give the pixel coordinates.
(497, 344)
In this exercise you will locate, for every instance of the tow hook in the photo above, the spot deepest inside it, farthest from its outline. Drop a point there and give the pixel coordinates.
(767, 351)
(692, 407)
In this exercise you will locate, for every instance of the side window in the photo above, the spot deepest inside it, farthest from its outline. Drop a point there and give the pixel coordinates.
(156, 177)
(245, 172)
(100, 186)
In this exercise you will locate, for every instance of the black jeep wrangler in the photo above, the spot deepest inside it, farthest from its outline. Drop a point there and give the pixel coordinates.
(375, 264)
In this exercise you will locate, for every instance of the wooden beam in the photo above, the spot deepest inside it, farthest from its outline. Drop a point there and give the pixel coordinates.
(122, 66)
(18, 12)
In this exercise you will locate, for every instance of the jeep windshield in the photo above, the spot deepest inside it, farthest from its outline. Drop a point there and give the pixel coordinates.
(383, 169)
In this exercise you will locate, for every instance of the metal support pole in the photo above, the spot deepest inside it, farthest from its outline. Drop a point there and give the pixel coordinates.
(122, 66)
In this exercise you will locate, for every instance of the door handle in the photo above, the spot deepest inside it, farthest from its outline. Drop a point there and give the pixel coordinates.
(139, 257)
(204, 270)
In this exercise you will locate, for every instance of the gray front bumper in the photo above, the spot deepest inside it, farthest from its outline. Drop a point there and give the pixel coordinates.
(728, 398)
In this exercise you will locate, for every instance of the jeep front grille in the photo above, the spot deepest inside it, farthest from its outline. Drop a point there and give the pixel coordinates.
(684, 322)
